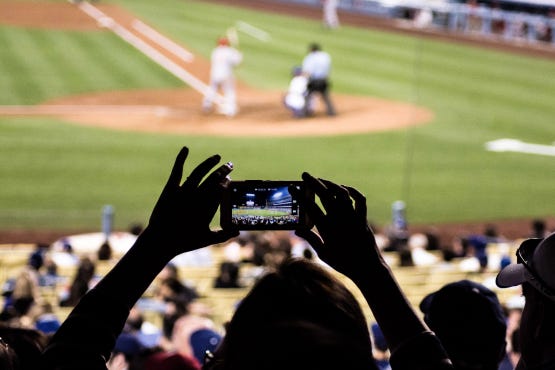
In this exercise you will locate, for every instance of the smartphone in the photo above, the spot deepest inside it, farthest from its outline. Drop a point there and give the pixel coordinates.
(263, 205)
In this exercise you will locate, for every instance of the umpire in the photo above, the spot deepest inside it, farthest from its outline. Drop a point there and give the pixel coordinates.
(317, 66)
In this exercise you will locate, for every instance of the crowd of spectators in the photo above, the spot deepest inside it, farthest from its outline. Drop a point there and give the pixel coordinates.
(297, 314)
(500, 20)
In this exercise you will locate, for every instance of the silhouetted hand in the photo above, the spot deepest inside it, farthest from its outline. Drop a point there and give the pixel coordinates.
(345, 240)
(181, 218)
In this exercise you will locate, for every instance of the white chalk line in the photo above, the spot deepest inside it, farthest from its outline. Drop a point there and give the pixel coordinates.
(146, 49)
(514, 145)
(253, 31)
(37, 110)
(162, 40)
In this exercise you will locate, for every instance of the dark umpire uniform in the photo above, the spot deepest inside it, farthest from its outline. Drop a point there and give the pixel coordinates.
(317, 66)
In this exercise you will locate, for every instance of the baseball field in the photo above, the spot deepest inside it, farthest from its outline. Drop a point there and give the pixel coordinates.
(88, 118)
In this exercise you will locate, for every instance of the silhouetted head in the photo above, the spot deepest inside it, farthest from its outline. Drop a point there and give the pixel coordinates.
(297, 317)
(314, 47)
(21, 348)
(470, 323)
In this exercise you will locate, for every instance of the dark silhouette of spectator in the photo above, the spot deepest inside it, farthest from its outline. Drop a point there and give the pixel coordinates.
(8, 357)
(405, 255)
(49, 275)
(299, 316)
(20, 348)
(534, 271)
(21, 293)
(433, 240)
(169, 271)
(456, 249)
(478, 249)
(81, 282)
(304, 314)
(136, 228)
(271, 248)
(104, 252)
(539, 229)
(470, 323)
(177, 296)
(36, 259)
(228, 276)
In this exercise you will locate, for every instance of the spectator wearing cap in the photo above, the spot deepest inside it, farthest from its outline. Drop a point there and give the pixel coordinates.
(126, 354)
(534, 271)
(470, 323)
(46, 320)
(193, 335)
(203, 342)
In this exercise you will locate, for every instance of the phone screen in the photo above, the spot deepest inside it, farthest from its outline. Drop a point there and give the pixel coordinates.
(262, 205)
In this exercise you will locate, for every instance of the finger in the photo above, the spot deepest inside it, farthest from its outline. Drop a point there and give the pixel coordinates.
(201, 170)
(319, 189)
(360, 202)
(340, 192)
(177, 170)
(219, 176)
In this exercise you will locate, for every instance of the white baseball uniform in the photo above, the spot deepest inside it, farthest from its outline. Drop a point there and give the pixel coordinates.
(331, 19)
(223, 60)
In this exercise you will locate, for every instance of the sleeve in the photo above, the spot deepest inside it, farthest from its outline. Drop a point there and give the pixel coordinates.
(423, 352)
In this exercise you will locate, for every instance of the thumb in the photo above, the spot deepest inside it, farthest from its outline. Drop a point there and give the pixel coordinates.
(311, 237)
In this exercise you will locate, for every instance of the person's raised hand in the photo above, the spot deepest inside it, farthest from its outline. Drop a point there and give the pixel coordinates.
(344, 239)
(181, 218)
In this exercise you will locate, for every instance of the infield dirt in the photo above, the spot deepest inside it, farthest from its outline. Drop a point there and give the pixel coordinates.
(179, 111)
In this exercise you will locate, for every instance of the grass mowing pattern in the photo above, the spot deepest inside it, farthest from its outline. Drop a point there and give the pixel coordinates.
(58, 175)
(37, 65)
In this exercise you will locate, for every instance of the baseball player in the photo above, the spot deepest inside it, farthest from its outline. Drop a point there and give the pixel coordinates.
(317, 66)
(295, 98)
(331, 20)
(224, 59)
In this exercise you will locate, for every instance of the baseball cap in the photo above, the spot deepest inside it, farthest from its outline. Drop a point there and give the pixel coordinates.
(469, 321)
(128, 344)
(204, 340)
(535, 258)
(48, 324)
(224, 41)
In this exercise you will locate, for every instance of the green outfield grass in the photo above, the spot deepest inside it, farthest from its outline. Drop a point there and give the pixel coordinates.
(57, 175)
